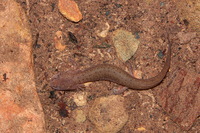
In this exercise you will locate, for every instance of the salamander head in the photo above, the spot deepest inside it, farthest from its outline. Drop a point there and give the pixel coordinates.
(64, 81)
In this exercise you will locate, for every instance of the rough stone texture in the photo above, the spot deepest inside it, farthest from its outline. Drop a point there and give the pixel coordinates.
(180, 98)
(20, 110)
(108, 114)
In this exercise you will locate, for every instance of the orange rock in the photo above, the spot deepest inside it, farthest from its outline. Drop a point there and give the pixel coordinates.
(70, 10)
(58, 41)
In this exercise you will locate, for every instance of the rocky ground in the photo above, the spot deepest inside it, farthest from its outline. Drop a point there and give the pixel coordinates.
(57, 44)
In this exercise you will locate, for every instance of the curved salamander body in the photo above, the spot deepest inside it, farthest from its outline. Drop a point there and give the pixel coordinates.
(107, 72)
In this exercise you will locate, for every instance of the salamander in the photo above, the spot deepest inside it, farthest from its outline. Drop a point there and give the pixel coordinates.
(107, 72)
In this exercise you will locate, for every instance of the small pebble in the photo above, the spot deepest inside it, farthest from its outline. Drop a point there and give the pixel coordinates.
(141, 129)
(108, 114)
(52, 94)
(72, 37)
(80, 99)
(118, 5)
(79, 116)
(137, 36)
(137, 74)
(162, 3)
(160, 54)
(107, 13)
(58, 41)
(105, 30)
(70, 10)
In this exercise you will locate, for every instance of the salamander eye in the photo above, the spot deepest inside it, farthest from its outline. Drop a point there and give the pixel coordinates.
(54, 84)
(56, 88)
(55, 76)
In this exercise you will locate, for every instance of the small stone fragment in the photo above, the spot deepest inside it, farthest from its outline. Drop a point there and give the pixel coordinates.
(80, 99)
(137, 74)
(58, 41)
(79, 116)
(70, 10)
(125, 44)
(108, 114)
(160, 54)
(141, 129)
(72, 37)
(104, 32)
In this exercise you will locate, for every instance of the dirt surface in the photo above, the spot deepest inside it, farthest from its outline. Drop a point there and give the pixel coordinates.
(148, 20)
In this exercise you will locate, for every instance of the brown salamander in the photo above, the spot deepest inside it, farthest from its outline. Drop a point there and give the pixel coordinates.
(107, 72)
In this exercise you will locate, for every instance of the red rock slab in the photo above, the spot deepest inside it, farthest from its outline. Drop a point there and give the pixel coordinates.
(20, 108)
(180, 98)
